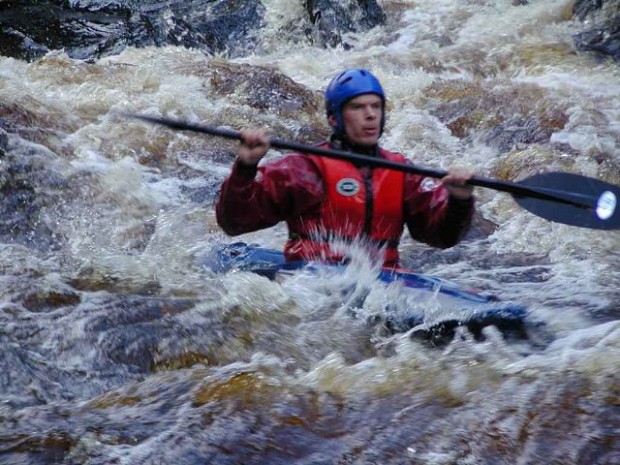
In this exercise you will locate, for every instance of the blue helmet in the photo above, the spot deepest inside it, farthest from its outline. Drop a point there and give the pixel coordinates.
(347, 85)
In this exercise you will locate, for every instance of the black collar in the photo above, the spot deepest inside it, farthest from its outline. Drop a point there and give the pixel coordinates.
(342, 143)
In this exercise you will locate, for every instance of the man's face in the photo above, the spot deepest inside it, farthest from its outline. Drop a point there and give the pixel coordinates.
(362, 119)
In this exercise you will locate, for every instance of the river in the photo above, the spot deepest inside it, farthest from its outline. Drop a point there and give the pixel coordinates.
(117, 346)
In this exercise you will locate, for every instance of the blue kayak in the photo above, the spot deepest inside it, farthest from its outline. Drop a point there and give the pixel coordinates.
(465, 307)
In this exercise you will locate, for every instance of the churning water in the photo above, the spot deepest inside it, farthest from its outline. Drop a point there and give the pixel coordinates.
(116, 346)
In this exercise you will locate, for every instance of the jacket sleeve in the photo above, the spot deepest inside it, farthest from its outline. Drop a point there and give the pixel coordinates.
(432, 216)
(256, 198)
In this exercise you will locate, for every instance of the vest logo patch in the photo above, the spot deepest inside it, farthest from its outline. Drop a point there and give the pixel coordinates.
(427, 185)
(348, 187)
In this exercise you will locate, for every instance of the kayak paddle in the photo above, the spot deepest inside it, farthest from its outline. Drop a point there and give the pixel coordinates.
(561, 197)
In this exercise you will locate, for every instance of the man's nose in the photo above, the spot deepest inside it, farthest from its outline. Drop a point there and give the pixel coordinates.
(371, 112)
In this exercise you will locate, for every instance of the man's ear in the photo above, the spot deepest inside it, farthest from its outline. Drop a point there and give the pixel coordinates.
(331, 120)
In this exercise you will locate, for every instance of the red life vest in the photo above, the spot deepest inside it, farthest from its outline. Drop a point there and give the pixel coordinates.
(355, 208)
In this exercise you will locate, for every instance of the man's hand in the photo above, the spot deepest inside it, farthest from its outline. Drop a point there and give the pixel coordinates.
(455, 182)
(253, 147)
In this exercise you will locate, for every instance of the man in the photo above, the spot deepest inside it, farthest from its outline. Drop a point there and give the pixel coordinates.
(323, 199)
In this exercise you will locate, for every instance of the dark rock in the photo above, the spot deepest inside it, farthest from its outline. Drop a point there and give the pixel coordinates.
(41, 300)
(604, 40)
(299, 109)
(44, 126)
(263, 88)
(98, 5)
(584, 8)
(29, 29)
(506, 135)
(604, 37)
(93, 280)
(16, 44)
(332, 19)
(480, 228)
(4, 142)
(502, 118)
(92, 29)
(22, 367)
(28, 186)
(230, 25)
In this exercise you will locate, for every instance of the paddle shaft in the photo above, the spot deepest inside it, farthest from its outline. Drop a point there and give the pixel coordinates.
(512, 188)
(574, 199)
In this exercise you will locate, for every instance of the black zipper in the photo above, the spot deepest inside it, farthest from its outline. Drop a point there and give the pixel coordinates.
(369, 202)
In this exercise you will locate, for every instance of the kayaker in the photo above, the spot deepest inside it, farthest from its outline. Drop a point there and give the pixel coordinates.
(322, 199)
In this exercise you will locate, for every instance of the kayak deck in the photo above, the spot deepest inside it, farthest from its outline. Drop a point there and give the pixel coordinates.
(463, 307)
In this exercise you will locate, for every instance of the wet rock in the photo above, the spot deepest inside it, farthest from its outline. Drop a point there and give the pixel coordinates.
(514, 131)
(18, 45)
(604, 40)
(28, 187)
(39, 300)
(503, 117)
(604, 37)
(29, 29)
(36, 381)
(332, 19)
(608, 167)
(92, 29)
(130, 328)
(156, 333)
(231, 25)
(93, 280)
(299, 109)
(519, 164)
(480, 228)
(263, 88)
(98, 5)
(20, 214)
(47, 126)
(4, 142)
(584, 8)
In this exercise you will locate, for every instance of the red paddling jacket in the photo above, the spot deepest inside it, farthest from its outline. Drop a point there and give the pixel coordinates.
(326, 201)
